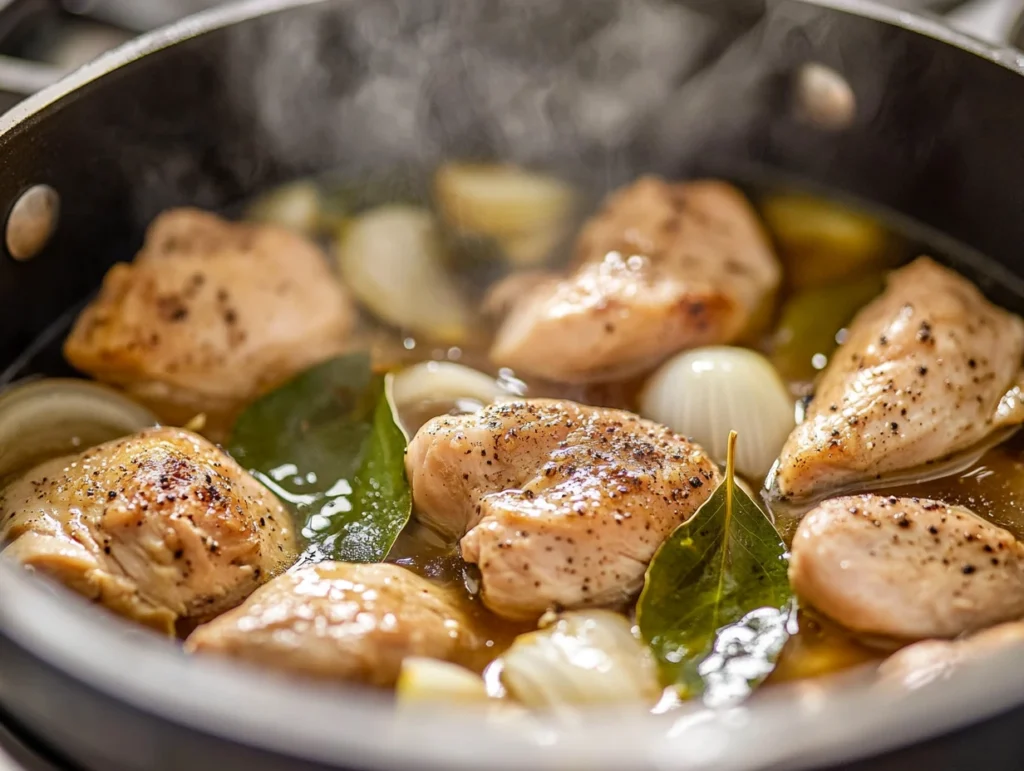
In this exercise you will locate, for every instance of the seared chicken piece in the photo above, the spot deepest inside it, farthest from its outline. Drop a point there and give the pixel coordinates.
(157, 527)
(907, 568)
(928, 369)
(661, 268)
(560, 505)
(930, 660)
(210, 315)
(342, 621)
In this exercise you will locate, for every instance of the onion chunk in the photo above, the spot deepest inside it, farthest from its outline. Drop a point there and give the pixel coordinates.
(45, 419)
(708, 392)
(581, 658)
(392, 260)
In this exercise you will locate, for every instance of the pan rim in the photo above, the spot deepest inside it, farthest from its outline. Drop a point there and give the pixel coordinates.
(359, 727)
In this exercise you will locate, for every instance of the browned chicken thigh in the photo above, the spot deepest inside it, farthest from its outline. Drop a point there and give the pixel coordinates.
(661, 268)
(342, 621)
(907, 568)
(157, 527)
(558, 504)
(928, 369)
(210, 315)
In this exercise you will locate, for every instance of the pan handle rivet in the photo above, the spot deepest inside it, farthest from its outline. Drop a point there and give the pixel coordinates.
(32, 221)
(823, 98)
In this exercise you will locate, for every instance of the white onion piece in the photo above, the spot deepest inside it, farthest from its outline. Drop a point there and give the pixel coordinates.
(429, 680)
(45, 419)
(525, 212)
(295, 206)
(392, 260)
(708, 392)
(500, 200)
(583, 658)
(443, 381)
(433, 388)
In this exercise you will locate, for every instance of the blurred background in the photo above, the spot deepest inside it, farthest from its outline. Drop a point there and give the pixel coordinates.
(42, 39)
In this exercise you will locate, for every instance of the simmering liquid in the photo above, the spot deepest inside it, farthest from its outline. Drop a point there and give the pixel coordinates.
(993, 487)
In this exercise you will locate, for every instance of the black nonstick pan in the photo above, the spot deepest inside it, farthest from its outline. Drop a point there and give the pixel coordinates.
(910, 116)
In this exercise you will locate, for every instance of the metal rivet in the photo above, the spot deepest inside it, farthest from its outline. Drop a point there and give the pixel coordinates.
(824, 98)
(32, 221)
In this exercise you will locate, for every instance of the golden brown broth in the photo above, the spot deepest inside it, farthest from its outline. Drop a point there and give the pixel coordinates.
(425, 553)
(821, 647)
(994, 488)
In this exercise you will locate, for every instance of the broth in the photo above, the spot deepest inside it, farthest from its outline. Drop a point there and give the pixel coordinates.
(994, 487)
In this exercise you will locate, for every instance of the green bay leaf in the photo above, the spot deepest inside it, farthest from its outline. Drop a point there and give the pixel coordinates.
(717, 607)
(328, 445)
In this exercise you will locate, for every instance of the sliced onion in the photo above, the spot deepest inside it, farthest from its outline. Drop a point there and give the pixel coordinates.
(708, 392)
(501, 201)
(433, 388)
(45, 419)
(582, 658)
(295, 206)
(391, 258)
(444, 381)
(429, 680)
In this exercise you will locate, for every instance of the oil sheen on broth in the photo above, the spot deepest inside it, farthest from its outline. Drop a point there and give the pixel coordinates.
(800, 340)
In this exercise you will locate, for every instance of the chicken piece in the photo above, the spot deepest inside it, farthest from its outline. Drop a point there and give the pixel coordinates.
(907, 568)
(210, 315)
(560, 505)
(928, 369)
(343, 621)
(661, 268)
(157, 527)
(931, 660)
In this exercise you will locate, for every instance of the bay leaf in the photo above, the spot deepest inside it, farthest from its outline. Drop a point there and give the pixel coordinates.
(717, 607)
(328, 445)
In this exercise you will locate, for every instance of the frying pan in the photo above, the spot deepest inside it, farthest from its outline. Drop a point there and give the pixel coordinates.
(223, 104)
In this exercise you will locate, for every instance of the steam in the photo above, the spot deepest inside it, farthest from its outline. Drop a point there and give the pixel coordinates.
(362, 85)
(599, 91)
